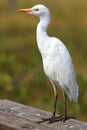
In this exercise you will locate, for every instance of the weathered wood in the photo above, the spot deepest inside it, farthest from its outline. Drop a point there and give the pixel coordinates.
(14, 116)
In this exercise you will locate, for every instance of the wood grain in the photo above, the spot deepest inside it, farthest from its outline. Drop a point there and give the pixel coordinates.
(14, 116)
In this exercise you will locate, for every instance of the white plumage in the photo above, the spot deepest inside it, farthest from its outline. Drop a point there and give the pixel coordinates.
(57, 62)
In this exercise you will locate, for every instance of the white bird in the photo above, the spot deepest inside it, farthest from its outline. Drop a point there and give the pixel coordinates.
(57, 62)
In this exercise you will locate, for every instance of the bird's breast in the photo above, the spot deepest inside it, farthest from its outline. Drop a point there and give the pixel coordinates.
(48, 65)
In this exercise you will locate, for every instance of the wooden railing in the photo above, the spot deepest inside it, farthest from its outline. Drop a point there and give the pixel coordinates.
(14, 116)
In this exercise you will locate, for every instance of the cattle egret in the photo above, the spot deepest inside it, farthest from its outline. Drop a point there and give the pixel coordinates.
(57, 62)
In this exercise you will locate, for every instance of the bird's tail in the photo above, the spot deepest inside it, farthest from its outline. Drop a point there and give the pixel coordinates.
(73, 93)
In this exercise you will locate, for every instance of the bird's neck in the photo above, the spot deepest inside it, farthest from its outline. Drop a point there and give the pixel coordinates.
(41, 33)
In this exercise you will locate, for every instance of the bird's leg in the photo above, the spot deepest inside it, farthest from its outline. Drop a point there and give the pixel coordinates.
(61, 117)
(55, 102)
(53, 118)
(65, 106)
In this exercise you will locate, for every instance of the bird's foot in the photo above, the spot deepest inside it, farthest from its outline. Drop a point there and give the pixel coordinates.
(67, 118)
(52, 119)
(56, 119)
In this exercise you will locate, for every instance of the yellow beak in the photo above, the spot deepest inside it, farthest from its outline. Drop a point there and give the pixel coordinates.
(25, 10)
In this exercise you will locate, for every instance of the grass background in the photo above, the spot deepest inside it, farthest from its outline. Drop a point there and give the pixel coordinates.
(21, 74)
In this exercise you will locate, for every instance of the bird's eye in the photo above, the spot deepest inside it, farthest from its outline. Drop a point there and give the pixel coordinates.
(36, 9)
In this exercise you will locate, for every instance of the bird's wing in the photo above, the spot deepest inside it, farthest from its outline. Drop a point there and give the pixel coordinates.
(64, 70)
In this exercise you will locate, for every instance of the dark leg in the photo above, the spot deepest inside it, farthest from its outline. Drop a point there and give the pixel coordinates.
(61, 117)
(53, 118)
(65, 109)
(65, 106)
(55, 103)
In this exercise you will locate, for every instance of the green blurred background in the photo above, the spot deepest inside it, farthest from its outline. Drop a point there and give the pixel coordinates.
(21, 74)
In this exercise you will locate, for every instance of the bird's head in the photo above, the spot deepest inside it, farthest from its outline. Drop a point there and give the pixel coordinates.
(37, 10)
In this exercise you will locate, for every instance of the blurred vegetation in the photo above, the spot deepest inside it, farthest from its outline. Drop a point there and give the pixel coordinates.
(21, 74)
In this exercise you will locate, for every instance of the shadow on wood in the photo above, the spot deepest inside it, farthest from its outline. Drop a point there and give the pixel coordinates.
(14, 116)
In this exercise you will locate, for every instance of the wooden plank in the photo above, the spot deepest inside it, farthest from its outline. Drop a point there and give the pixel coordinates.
(14, 116)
